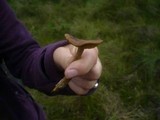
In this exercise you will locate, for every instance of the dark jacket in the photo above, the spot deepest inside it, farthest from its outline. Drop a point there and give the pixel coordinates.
(27, 61)
(24, 58)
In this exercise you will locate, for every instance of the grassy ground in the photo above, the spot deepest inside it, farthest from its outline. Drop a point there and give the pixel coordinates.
(130, 86)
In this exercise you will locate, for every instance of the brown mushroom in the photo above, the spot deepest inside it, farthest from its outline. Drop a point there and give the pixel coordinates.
(81, 45)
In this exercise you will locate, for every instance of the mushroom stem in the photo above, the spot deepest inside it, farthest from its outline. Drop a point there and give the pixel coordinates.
(81, 44)
(79, 53)
(61, 84)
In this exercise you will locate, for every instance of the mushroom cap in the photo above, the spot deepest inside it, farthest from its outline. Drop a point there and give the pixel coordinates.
(82, 43)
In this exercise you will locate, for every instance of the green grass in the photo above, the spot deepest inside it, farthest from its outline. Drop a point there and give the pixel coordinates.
(129, 87)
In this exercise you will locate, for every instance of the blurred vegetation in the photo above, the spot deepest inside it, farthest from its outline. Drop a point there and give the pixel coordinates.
(129, 87)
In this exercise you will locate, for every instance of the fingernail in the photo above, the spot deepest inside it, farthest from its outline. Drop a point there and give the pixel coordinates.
(71, 73)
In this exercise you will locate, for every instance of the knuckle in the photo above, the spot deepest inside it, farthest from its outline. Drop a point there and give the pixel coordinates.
(87, 87)
(81, 91)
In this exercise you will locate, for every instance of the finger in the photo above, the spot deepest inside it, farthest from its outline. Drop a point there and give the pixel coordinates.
(63, 56)
(83, 83)
(83, 65)
(78, 90)
(95, 72)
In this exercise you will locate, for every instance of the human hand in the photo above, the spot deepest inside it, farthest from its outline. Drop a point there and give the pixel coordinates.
(83, 72)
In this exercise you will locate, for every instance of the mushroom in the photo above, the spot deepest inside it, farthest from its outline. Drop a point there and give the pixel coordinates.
(81, 45)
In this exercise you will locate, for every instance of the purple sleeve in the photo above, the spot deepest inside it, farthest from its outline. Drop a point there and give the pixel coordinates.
(23, 56)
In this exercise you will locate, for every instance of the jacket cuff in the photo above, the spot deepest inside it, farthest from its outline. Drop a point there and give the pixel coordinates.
(50, 69)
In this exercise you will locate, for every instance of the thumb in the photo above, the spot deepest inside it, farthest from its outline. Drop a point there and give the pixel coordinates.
(81, 66)
(70, 73)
